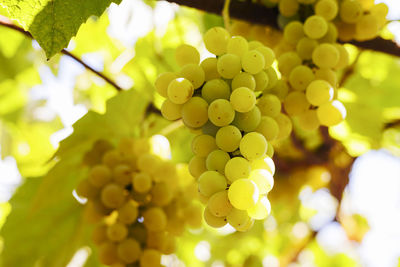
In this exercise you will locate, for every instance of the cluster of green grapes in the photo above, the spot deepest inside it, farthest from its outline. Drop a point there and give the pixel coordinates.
(139, 200)
(228, 101)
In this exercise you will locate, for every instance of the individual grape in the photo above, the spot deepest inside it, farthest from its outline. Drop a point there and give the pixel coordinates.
(272, 77)
(150, 258)
(243, 99)
(122, 174)
(229, 66)
(263, 179)
(315, 27)
(161, 194)
(268, 54)
(197, 165)
(268, 127)
(215, 89)
(319, 92)
(129, 250)
(209, 66)
(331, 35)
(228, 138)
(141, 146)
(328, 9)
(238, 218)
(211, 182)
(350, 11)
(99, 234)
(213, 221)
(112, 158)
(108, 253)
(327, 75)
(254, 44)
(219, 204)
(221, 112)
(269, 105)
(186, 54)
(247, 121)
(154, 219)
(346, 31)
(285, 126)
(128, 213)
(85, 189)
(280, 90)
(243, 194)
(216, 161)
(288, 8)
(117, 232)
(243, 79)
(237, 168)
(180, 90)
(331, 113)
(253, 62)
(237, 45)
(308, 120)
(343, 57)
(165, 171)
(253, 145)
(112, 196)
(171, 111)
(192, 214)
(380, 12)
(293, 32)
(261, 210)
(195, 112)
(300, 77)
(142, 182)
(262, 80)
(367, 27)
(163, 81)
(203, 144)
(148, 162)
(296, 103)
(216, 40)
(287, 61)
(326, 56)
(194, 74)
(247, 226)
(265, 163)
(305, 47)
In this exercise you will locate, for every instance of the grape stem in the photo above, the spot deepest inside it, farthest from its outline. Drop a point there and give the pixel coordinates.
(225, 14)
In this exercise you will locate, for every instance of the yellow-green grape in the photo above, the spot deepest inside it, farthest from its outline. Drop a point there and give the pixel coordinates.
(195, 112)
(163, 81)
(268, 127)
(186, 54)
(331, 113)
(319, 92)
(229, 66)
(148, 162)
(165, 171)
(296, 103)
(237, 168)
(213, 221)
(263, 179)
(247, 121)
(180, 90)
(285, 126)
(328, 75)
(161, 194)
(141, 146)
(237, 45)
(269, 105)
(209, 66)
(346, 31)
(244, 79)
(254, 44)
(117, 232)
(305, 47)
(150, 258)
(122, 174)
(154, 219)
(280, 90)
(209, 128)
(221, 112)
(192, 214)
(367, 27)
(350, 11)
(253, 62)
(300, 77)
(85, 189)
(112, 158)
(215, 89)
(287, 61)
(243, 194)
(128, 213)
(293, 32)
(108, 253)
(331, 35)
(270, 150)
(261, 210)
(194, 74)
(326, 56)
(216, 40)
(211, 182)
(129, 250)
(112, 196)
(315, 27)
(156, 240)
(308, 120)
(228, 138)
(219, 204)
(247, 226)
(142, 182)
(253, 145)
(272, 77)
(99, 234)
(380, 12)
(243, 99)
(171, 111)
(268, 54)
(203, 144)
(217, 160)
(343, 57)
(238, 218)
(328, 9)
(197, 165)
(265, 163)
(262, 80)
(288, 8)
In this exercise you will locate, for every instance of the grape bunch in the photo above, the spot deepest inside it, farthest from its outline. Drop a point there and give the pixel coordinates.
(225, 100)
(139, 200)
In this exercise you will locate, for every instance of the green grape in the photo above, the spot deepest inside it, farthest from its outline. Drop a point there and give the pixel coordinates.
(343, 57)
(380, 12)
(85, 189)
(161, 194)
(331, 35)
(300, 77)
(367, 27)
(213, 221)
(272, 77)
(261, 210)
(209, 66)
(122, 174)
(108, 253)
(253, 61)
(216, 40)
(217, 160)
(197, 165)
(128, 213)
(215, 89)
(350, 11)
(237, 168)
(243, 194)
(99, 234)
(243, 79)
(268, 54)
(262, 80)
(180, 90)
(305, 47)
(186, 54)
(194, 74)
(228, 138)
(287, 61)
(315, 27)
(328, 9)
(171, 111)
(211, 182)
(327, 75)
(209, 128)
(150, 258)
(221, 112)
(141, 146)
(319, 92)
(293, 32)
(325, 56)
(280, 90)
(112, 196)
(112, 158)
(228, 66)
(219, 204)
(253, 145)
(238, 218)
(254, 44)
(117, 232)
(296, 103)
(270, 150)
(247, 121)
(237, 45)
(243, 99)
(265, 163)
(163, 81)
(331, 113)
(247, 226)
(192, 214)
(308, 120)
(288, 8)
(269, 105)
(285, 126)
(263, 179)
(148, 162)
(142, 182)
(195, 112)
(129, 250)
(154, 219)
(268, 127)
(203, 144)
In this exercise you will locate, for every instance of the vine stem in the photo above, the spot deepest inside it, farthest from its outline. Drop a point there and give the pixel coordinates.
(225, 14)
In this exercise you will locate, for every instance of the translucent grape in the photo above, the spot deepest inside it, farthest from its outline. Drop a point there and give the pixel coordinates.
(247, 121)
(195, 112)
(315, 27)
(194, 74)
(252, 62)
(288, 8)
(328, 9)
(319, 92)
(243, 99)
(214, 221)
(253, 145)
(161, 194)
(215, 89)
(171, 111)
(327, 75)
(325, 56)
(221, 112)
(129, 250)
(112, 196)
(269, 105)
(117, 232)
(263, 179)
(296, 103)
(262, 80)
(209, 66)
(216, 40)
(268, 127)
(272, 77)
(293, 32)
(261, 210)
(163, 81)
(154, 219)
(229, 66)
(367, 27)
(237, 168)
(186, 54)
(238, 218)
(180, 90)
(211, 182)
(285, 126)
(243, 194)
(128, 213)
(350, 11)
(343, 57)
(219, 204)
(287, 61)
(228, 138)
(203, 144)
(305, 47)
(99, 175)
(300, 77)
(237, 45)
(142, 182)
(308, 120)
(217, 160)
(122, 174)
(268, 54)
(243, 79)
(265, 163)
(331, 113)
(197, 165)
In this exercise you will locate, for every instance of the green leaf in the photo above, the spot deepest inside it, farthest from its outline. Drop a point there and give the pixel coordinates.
(54, 22)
